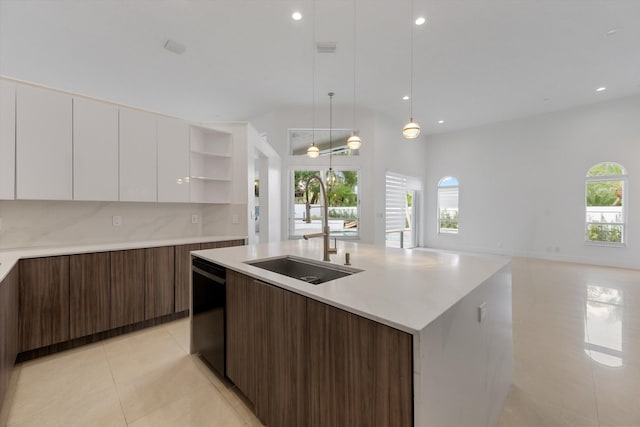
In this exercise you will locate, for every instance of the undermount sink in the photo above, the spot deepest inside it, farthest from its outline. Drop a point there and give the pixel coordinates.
(310, 271)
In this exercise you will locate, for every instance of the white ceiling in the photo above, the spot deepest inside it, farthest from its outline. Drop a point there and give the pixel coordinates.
(476, 61)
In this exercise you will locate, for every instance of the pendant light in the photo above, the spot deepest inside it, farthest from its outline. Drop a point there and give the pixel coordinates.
(331, 176)
(313, 151)
(412, 129)
(354, 142)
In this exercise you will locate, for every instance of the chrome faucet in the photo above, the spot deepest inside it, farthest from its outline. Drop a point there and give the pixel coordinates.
(327, 249)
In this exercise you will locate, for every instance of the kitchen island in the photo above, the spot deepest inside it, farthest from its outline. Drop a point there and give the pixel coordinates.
(455, 307)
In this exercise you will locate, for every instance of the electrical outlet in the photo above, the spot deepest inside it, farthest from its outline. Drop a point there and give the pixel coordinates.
(0, 224)
(116, 220)
(482, 311)
(235, 219)
(194, 219)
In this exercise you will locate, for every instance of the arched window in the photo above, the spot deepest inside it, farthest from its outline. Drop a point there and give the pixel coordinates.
(448, 189)
(605, 201)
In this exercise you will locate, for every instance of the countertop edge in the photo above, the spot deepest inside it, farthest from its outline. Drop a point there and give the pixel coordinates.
(9, 257)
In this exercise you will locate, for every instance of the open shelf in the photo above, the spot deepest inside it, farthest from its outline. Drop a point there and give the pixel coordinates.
(211, 160)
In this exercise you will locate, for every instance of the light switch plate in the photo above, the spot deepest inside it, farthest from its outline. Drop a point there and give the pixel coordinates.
(235, 219)
(116, 220)
(194, 218)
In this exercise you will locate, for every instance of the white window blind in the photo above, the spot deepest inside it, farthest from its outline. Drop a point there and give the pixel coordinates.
(448, 198)
(396, 201)
(397, 186)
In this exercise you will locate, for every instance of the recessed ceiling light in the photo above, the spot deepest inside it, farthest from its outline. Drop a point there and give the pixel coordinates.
(601, 89)
(405, 98)
(440, 122)
(296, 16)
(420, 20)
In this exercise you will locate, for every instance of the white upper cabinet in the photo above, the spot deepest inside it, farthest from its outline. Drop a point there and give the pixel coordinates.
(7, 140)
(173, 160)
(138, 166)
(43, 144)
(95, 150)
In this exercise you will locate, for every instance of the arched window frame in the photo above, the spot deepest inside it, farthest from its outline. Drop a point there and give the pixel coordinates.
(622, 223)
(448, 183)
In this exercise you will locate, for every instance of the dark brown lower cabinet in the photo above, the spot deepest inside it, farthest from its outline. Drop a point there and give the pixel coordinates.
(8, 328)
(183, 271)
(222, 244)
(362, 370)
(127, 287)
(43, 301)
(89, 294)
(241, 333)
(302, 362)
(266, 342)
(159, 279)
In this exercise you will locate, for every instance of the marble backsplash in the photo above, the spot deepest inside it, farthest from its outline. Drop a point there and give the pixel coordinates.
(56, 223)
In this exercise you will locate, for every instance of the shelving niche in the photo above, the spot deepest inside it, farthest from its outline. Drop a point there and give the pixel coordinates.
(211, 165)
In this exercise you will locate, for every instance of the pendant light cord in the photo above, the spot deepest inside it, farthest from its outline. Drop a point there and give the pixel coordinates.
(313, 76)
(354, 65)
(411, 80)
(330, 127)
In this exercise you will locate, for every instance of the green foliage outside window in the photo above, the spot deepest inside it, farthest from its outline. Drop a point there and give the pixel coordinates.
(448, 219)
(604, 233)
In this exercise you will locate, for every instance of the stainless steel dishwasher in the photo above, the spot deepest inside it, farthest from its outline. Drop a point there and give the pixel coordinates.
(208, 316)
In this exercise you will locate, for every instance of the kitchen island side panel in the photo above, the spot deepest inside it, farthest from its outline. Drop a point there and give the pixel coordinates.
(463, 371)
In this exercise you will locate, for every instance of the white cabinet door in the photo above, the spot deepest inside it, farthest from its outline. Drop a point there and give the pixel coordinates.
(138, 166)
(95, 150)
(7, 140)
(173, 160)
(43, 144)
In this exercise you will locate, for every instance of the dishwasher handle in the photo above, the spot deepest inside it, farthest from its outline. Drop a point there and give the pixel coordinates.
(209, 276)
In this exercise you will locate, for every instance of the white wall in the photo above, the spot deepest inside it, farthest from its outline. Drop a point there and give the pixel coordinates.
(522, 182)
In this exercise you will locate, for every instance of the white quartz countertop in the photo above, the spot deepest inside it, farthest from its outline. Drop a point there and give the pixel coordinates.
(8, 258)
(405, 289)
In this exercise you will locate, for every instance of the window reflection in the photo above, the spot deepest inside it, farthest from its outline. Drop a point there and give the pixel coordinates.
(604, 323)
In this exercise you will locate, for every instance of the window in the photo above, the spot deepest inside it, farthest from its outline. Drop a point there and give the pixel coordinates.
(400, 210)
(343, 200)
(300, 139)
(605, 201)
(448, 214)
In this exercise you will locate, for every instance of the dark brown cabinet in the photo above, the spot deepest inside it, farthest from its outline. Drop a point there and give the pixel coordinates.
(266, 342)
(302, 362)
(8, 328)
(241, 333)
(362, 370)
(159, 282)
(222, 244)
(127, 287)
(89, 294)
(183, 271)
(43, 302)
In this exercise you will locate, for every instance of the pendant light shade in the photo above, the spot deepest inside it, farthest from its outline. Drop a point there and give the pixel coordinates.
(354, 142)
(313, 151)
(411, 130)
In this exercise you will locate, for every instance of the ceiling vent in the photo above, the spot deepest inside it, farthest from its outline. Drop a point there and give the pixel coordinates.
(175, 47)
(326, 47)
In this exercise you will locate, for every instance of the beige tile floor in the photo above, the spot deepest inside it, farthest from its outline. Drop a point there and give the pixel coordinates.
(576, 333)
